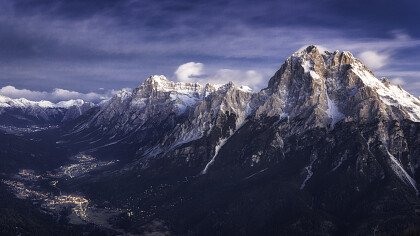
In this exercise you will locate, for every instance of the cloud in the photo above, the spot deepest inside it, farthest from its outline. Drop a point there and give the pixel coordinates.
(249, 78)
(398, 81)
(12, 92)
(63, 94)
(189, 71)
(56, 95)
(194, 72)
(84, 45)
(374, 59)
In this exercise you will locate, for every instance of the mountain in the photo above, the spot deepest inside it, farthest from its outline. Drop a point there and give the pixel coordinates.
(325, 149)
(161, 114)
(335, 86)
(24, 113)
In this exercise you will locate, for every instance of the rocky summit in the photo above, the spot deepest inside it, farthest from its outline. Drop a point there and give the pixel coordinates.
(326, 148)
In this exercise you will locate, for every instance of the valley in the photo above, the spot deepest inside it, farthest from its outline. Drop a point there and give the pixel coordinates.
(43, 190)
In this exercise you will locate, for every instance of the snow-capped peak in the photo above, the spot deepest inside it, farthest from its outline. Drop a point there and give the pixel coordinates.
(21, 112)
(25, 103)
(159, 83)
(390, 94)
(308, 49)
(157, 79)
(123, 94)
(162, 84)
(335, 83)
(70, 103)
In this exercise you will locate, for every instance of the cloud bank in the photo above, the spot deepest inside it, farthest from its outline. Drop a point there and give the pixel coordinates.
(195, 72)
(188, 72)
(83, 45)
(56, 95)
(374, 59)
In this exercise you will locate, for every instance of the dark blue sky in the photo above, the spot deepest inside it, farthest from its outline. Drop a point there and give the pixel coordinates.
(96, 46)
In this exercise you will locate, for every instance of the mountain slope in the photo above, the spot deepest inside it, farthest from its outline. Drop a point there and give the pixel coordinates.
(334, 86)
(161, 115)
(325, 149)
(23, 113)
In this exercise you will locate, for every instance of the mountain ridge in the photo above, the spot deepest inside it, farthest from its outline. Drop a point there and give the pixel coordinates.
(319, 88)
(325, 148)
(318, 68)
(22, 112)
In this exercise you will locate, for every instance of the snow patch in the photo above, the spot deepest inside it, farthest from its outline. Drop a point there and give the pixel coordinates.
(390, 94)
(342, 158)
(245, 89)
(333, 111)
(314, 75)
(255, 174)
(401, 173)
(309, 172)
(307, 66)
(220, 144)
(256, 158)
(216, 151)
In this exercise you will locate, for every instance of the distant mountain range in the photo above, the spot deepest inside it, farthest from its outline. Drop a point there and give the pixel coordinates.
(325, 149)
(24, 113)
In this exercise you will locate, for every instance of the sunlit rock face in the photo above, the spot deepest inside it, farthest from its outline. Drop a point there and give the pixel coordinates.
(189, 122)
(175, 112)
(325, 131)
(327, 87)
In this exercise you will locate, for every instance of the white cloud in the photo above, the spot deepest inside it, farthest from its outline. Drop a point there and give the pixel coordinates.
(373, 59)
(12, 92)
(249, 78)
(63, 94)
(194, 72)
(398, 81)
(188, 72)
(55, 96)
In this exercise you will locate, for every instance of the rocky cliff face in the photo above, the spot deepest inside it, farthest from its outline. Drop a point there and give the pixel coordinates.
(326, 148)
(176, 113)
(330, 87)
(312, 90)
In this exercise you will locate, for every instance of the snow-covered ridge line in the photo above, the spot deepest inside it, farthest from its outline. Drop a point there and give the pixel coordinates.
(23, 102)
(390, 94)
(162, 84)
(325, 67)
